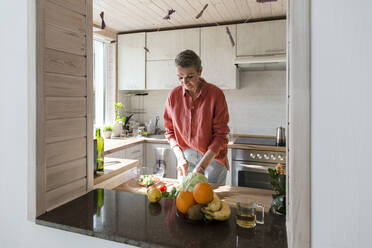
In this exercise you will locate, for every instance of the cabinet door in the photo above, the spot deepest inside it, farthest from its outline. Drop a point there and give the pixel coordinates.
(161, 75)
(167, 44)
(217, 55)
(135, 152)
(119, 154)
(131, 61)
(261, 38)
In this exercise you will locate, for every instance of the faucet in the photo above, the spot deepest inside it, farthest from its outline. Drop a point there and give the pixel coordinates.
(157, 129)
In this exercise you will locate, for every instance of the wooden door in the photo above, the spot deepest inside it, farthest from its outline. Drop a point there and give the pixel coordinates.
(64, 106)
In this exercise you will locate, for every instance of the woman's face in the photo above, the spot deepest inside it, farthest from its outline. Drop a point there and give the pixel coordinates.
(189, 78)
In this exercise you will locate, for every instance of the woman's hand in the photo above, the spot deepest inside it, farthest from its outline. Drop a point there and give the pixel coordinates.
(182, 167)
(199, 169)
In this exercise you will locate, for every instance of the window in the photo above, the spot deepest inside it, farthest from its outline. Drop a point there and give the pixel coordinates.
(99, 82)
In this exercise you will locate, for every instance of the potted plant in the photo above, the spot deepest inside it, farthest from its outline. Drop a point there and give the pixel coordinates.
(278, 204)
(107, 130)
(116, 129)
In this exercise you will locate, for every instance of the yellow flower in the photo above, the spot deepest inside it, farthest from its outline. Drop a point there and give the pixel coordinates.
(280, 169)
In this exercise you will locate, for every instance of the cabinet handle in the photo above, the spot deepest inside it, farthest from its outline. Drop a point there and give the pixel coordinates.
(136, 151)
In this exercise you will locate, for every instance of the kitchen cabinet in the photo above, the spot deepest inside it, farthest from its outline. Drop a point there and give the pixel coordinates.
(131, 61)
(170, 159)
(118, 154)
(217, 55)
(161, 74)
(165, 45)
(261, 38)
(133, 152)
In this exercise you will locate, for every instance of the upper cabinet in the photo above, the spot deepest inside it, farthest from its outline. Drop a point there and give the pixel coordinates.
(155, 69)
(217, 56)
(261, 38)
(161, 75)
(131, 61)
(165, 45)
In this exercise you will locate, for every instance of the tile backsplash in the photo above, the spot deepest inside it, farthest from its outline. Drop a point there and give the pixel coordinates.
(257, 107)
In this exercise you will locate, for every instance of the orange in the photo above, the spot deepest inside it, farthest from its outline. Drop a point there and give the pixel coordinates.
(203, 193)
(184, 201)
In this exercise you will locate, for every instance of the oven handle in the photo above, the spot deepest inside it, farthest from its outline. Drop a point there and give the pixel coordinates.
(257, 167)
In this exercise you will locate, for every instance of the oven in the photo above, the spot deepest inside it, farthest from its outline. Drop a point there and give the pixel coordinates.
(250, 167)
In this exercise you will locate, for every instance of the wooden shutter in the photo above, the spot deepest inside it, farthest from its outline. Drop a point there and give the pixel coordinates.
(64, 105)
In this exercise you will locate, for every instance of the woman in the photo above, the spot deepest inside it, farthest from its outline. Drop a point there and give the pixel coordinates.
(195, 120)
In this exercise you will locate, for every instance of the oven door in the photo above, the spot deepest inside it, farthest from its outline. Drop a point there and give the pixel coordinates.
(251, 174)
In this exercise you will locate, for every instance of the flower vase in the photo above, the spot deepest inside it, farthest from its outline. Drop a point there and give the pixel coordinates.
(116, 130)
(107, 134)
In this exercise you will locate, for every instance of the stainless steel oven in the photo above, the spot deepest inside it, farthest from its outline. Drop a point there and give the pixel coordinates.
(250, 167)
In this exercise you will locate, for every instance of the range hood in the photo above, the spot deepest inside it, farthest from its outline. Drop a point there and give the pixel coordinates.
(259, 63)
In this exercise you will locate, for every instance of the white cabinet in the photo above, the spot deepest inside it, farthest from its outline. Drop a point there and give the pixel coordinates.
(163, 48)
(165, 45)
(133, 152)
(170, 159)
(131, 61)
(217, 55)
(161, 74)
(118, 154)
(261, 38)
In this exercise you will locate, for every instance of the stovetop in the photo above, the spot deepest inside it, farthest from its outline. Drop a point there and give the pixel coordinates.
(256, 141)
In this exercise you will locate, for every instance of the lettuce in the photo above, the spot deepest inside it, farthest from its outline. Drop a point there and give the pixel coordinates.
(191, 180)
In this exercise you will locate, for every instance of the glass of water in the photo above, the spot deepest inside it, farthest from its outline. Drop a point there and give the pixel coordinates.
(246, 213)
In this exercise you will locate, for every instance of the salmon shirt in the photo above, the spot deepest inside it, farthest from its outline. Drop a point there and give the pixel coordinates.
(200, 124)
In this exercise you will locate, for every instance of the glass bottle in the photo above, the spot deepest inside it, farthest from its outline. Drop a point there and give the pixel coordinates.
(100, 150)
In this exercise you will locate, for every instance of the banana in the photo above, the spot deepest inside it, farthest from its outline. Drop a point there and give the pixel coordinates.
(215, 204)
(224, 213)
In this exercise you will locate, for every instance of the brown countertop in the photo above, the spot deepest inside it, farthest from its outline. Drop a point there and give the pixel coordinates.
(113, 167)
(117, 144)
(230, 194)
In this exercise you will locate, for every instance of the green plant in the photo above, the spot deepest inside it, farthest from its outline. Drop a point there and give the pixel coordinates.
(118, 106)
(278, 183)
(107, 128)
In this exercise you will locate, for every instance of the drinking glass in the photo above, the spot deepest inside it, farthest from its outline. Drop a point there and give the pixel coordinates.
(246, 214)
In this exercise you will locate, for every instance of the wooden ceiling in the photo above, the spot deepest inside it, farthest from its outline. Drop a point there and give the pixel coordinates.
(131, 15)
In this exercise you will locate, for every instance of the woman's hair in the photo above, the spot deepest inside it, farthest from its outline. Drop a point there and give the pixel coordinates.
(188, 58)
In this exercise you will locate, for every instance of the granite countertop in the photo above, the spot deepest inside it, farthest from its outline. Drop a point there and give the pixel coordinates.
(129, 218)
(117, 144)
(230, 194)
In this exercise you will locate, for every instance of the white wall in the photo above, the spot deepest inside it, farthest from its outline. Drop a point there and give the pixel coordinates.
(17, 81)
(341, 102)
(258, 107)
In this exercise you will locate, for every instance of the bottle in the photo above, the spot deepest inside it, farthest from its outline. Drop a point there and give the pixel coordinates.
(100, 150)
(100, 201)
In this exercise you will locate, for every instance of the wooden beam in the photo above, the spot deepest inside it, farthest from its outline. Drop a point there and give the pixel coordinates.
(106, 33)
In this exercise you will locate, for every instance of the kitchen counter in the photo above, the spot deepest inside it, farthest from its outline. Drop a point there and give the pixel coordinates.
(114, 167)
(230, 194)
(129, 218)
(117, 144)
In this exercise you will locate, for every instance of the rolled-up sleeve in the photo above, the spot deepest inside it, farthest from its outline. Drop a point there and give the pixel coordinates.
(220, 124)
(168, 123)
